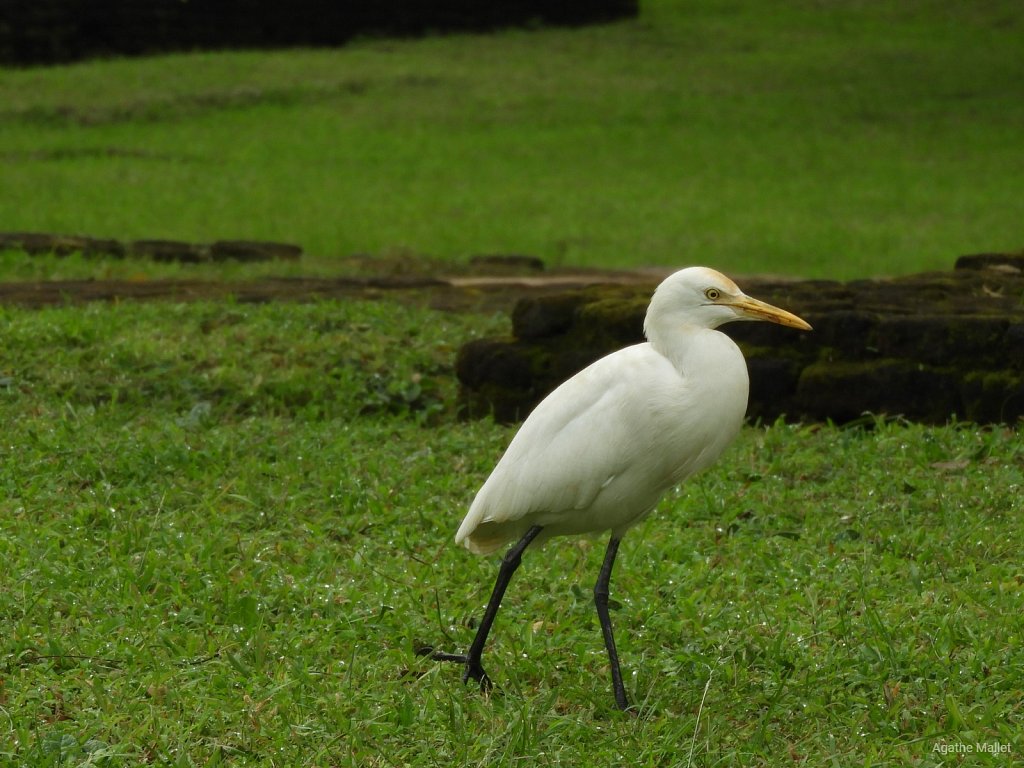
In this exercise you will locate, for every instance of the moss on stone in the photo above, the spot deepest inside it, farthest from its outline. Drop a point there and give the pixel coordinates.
(929, 347)
(992, 396)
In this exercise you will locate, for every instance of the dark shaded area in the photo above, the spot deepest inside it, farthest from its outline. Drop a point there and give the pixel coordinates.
(929, 347)
(41, 244)
(34, 32)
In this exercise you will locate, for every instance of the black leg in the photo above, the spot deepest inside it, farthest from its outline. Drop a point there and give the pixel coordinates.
(509, 564)
(601, 601)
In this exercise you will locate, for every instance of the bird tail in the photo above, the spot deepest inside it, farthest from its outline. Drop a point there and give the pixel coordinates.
(488, 537)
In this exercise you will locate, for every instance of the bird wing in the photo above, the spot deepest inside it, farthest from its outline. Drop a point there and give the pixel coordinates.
(574, 444)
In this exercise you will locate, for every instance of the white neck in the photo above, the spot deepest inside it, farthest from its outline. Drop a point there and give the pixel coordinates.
(707, 360)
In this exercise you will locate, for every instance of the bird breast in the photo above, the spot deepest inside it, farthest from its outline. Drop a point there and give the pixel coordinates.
(701, 408)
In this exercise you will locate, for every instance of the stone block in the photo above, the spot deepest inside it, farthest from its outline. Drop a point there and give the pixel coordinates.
(930, 347)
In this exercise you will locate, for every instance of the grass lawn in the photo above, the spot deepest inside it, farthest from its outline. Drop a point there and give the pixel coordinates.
(225, 529)
(825, 140)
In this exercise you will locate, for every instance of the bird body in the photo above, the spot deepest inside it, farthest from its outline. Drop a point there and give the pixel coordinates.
(598, 453)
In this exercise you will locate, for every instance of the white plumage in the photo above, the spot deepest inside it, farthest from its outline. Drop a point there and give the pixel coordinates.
(599, 451)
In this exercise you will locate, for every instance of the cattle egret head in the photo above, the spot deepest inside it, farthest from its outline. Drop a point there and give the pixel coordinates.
(705, 298)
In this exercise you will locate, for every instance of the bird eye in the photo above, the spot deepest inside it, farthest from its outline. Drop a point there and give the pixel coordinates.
(713, 294)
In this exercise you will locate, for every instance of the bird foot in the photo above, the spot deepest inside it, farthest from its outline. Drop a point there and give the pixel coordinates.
(476, 672)
(474, 669)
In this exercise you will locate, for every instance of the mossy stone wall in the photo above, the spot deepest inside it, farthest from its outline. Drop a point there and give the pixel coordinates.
(930, 347)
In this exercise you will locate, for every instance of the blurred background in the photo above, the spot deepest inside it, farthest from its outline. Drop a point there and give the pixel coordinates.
(804, 138)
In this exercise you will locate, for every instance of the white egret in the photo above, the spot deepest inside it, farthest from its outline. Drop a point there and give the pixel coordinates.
(598, 452)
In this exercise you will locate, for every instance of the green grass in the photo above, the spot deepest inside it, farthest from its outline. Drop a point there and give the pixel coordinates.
(225, 528)
(841, 140)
